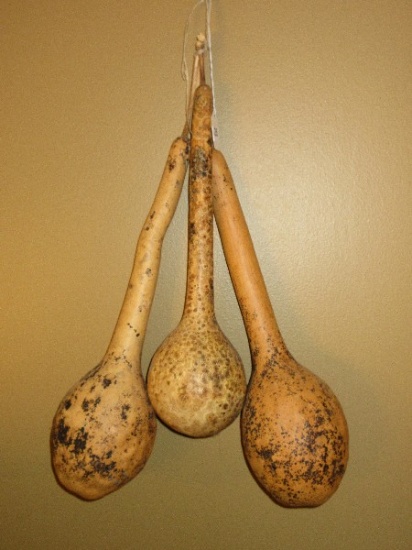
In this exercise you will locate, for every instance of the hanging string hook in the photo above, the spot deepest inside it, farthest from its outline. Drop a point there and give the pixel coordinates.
(198, 77)
(215, 128)
(203, 44)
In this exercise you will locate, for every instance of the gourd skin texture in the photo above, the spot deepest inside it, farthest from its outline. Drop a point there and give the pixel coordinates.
(293, 429)
(197, 388)
(294, 433)
(104, 429)
(196, 382)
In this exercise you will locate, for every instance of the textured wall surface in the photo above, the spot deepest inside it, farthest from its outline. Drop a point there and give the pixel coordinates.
(314, 106)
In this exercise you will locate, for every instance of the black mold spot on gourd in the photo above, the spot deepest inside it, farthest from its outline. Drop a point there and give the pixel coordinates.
(328, 411)
(129, 363)
(251, 412)
(101, 467)
(338, 470)
(61, 435)
(85, 404)
(171, 164)
(273, 466)
(106, 382)
(67, 404)
(148, 272)
(319, 420)
(200, 163)
(80, 441)
(265, 453)
(125, 409)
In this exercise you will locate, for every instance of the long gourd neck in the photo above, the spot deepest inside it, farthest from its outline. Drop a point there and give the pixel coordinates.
(261, 326)
(128, 336)
(248, 282)
(199, 287)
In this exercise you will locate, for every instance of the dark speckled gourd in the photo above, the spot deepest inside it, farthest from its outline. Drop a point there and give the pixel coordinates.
(196, 382)
(104, 429)
(294, 432)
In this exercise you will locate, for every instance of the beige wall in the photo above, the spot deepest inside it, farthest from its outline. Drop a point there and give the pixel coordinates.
(314, 105)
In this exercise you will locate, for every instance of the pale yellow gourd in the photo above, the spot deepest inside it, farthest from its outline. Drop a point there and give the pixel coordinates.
(294, 432)
(196, 380)
(104, 429)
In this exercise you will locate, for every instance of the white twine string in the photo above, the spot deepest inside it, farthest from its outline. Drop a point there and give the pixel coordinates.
(185, 70)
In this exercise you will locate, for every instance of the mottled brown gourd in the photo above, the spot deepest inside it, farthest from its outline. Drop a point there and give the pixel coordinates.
(104, 429)
(196, 381)
(294, 433)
